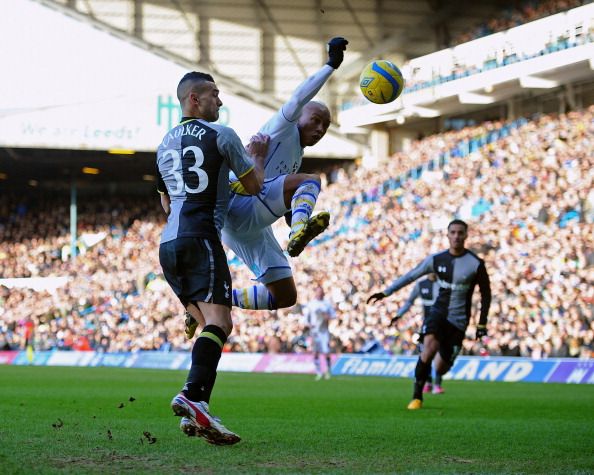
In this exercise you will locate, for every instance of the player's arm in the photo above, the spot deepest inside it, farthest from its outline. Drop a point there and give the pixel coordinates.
(249, 171)
(407, 304)
(162, 189)
(306, 91)
(425, 267)
(257, 148)
(485, 288)
(165, 203)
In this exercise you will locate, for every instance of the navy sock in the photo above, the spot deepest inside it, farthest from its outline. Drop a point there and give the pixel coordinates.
(422, 372)
(205, 359)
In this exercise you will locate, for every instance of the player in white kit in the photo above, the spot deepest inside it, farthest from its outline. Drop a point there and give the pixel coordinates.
(299, 123)
(318, 314)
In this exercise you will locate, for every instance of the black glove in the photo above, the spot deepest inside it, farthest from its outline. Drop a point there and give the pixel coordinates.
(289, 217)
(336, 46)
(376, 297)
(481, 331)
(395, 319)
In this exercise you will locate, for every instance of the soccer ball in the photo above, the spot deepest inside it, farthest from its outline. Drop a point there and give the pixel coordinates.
(381, 82)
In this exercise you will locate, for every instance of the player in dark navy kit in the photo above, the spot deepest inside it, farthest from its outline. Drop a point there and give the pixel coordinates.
(427, 289)
(458, 271)
(193, 163)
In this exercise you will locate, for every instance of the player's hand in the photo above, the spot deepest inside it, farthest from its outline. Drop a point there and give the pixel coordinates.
(258, 146)
(336, 48)
(395, 319)
(289, 217)
(376, 297)
(481, 331)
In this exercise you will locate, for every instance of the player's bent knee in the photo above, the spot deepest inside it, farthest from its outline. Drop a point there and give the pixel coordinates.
(284, 292)
(286, 300)
(312, 177)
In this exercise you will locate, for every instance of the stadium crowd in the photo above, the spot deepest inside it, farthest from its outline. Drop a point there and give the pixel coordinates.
(525, 12)
(527, 195)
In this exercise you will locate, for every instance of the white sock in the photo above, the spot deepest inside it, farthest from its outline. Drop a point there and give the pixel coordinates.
(303, 203)
(256, 297)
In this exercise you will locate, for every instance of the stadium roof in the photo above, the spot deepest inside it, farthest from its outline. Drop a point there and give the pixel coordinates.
(261, 49)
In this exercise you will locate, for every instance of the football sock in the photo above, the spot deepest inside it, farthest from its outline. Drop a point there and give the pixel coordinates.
(256, 297)
(317, 364)
(209, 388)
(429, 379)
(438, 378)
(303, 203)
(205, 359)
(328, 364)
(422, 372)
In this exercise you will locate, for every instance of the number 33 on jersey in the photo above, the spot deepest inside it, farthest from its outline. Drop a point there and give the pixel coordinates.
(193, 163)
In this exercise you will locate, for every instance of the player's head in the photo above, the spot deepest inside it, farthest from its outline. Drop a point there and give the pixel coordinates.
(457, 233)
(313, 123)
(199, 96)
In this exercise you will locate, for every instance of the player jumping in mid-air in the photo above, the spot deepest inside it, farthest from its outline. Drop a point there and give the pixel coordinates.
(299, 123)
(458, 271)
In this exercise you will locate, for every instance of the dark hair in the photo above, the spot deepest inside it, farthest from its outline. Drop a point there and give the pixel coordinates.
(460, 222)
(196, 76)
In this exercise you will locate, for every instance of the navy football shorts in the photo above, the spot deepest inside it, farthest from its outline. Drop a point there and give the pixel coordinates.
(450, 337)
(197, 270)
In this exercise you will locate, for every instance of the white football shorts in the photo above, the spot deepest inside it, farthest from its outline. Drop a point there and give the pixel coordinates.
(248, 234)
(321, 343)
(248, 214)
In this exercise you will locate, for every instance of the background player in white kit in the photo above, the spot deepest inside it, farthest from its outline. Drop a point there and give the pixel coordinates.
(318, 314)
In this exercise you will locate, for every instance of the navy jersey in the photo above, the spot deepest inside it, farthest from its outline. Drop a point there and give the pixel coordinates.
(193, 163)
(427, 290)
(457, 277)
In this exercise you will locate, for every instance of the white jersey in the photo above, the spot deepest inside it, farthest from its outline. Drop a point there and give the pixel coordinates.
(318, 313)
(285, 151)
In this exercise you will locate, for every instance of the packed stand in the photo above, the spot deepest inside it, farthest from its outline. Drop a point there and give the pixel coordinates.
(526, 193)
(526, 12)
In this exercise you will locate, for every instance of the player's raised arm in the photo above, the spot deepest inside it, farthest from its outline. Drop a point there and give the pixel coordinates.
(250, 171)
(407, 305)
(425, 267)
(305, 92)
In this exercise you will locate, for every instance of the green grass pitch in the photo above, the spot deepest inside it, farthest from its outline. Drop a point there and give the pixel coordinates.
(82, 420)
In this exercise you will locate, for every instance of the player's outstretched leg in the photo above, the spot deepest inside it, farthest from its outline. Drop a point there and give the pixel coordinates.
(311, 229)
(428, 385)
(304, 227)
(328, 373)
(438, 388)
(422, 372)
(256, 297)
(192, 401)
